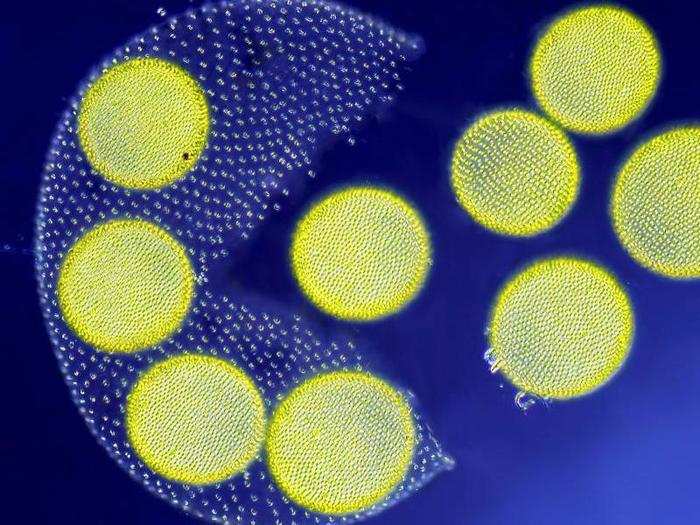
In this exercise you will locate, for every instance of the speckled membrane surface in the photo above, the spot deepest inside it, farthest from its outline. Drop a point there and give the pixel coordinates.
(284, 81)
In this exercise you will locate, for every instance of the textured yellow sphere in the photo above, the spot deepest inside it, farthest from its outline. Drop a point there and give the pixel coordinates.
(341, 442)
(360, 253)
(125, 285)
(195, 419)
(561, 328)
(143, 123)
(595, 69)
(656, 204)
(515, 173)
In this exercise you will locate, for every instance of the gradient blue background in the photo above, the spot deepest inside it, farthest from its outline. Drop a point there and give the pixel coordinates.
(628, 454)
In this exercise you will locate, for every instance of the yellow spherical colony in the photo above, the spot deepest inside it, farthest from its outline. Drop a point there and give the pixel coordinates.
(656, 203)
(195, 419)
(340, 442)
(360, 253)
(595, 69)
(125, 285)
(561, 328)
(144, 123)
(515, 173)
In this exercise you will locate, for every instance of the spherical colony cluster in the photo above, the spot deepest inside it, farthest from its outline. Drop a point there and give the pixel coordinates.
(595, 69)
(195, 419)
(168, 123)
(561, 328)
(515, 173)
(125, 285)
(656, 203)
(341, 442)
(172, 154)
(360, 253)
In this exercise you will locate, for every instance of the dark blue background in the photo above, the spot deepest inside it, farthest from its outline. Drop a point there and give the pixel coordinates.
(626, 454)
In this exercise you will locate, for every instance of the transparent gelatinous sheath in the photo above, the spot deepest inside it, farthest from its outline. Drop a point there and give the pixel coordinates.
(282, 82)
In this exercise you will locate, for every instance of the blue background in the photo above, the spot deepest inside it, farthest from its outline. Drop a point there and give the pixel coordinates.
(629, 453)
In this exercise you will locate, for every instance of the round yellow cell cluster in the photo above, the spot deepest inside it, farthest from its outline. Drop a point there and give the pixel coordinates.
(341, 442)
(125, 285)
(195, 419)
(561, 328)
(360, 253)
(143, 123)
(595, 69)
(656, 203)
(515, 173)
